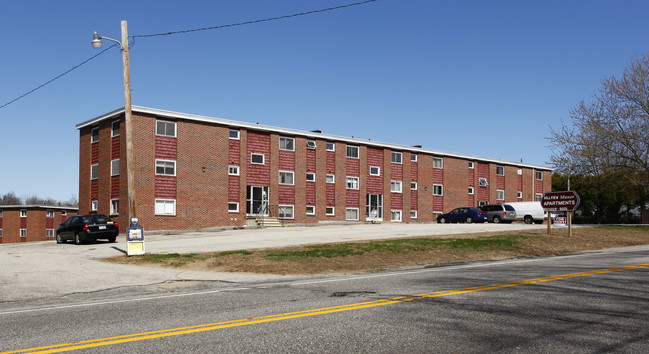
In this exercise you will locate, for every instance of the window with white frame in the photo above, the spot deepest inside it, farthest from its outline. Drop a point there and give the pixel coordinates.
(482, 203)
(538, 197)
(23, 213)
(396, 157)
(375, 171)
(482, 182)
(234, 134)
(500, 170)
(500, 195)
(436, 214)
(413, 186)
(94, 205)
(94, 171)
(114, 206)
(164, 128)
(286, 177)
(330, 211)
(396, 186)
(233, 170)
(49, 213)
(519, 195)
(114, 128)
(310, 177)
(285, 211)
(0, 232)
(257, 159)
(471, 165)
(352, 152)
(438, 162)
(49, 233)
(286, 143)
(310, 144)
(471, 190)
(310, 210)
(233, 207)
(114, 167)
(395, 215)
(331, 179)
(413, 214)
(94, 135)
(539, 175)
(438, 189)
(519, 171)
(23, 232)
(351, 214)
(352, 183)
(413, 157)
(0, 213)
(63, 212)
(331, 146)
(165, 167)
(165, 207)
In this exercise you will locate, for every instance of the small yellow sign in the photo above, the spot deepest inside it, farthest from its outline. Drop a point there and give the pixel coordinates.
(135, 248)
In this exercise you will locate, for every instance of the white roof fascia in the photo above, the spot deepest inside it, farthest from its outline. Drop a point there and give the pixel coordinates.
(267, 128)
(39, 206)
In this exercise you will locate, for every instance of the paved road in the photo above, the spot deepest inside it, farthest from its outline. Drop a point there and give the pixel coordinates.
(595, 302)
(47, 270)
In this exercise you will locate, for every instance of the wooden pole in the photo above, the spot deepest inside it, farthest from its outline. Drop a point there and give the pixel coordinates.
(549, 223)
(570, 224)
(130, 171)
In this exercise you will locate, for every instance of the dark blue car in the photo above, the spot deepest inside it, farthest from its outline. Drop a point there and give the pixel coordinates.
(467, 215)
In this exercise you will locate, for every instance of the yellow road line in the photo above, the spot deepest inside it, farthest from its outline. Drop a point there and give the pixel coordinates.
(306, 313)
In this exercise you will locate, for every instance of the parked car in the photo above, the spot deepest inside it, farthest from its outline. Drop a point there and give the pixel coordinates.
(530, 212)
(84, 228)
(467, 215)
(499, 213)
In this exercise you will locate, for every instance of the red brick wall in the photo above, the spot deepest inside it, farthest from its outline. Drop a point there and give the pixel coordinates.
(36, 223)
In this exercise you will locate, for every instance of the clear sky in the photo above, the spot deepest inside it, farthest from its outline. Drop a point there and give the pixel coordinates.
(485, 78)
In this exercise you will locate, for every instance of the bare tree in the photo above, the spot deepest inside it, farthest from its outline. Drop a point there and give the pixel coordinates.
(10, 199)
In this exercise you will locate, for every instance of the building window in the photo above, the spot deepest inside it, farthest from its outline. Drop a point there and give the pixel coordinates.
(233, 170)
(331, 146)
(285, 211)
(310, 177)
(352, 182)
(0, 213)
(482, 203)
(63, 212)
(310, 144)
(49, 233)
(286, 177)
(310, 210)
(287, 144)
(114, 167)
(49, 213)
(23, 213)
(0, 233)
(351, 214)
(114, 128)
(471, 190)
(500, 195)
(257, 159)
(519, 195)
(114, 206)
(539, 175)
(165, 207)
(539, 197)
(395, 215)
(94, 135)
(234, 134)
(438, 189)
(413, 157)
(164, 128)
(233, 207)
(375, 171)
(94, 171)
(500, 170)
(165, 168)
(471, 165)
(482, 182)
(395, 186)
(94, 205)
(23, 232)
(436, 214)
(331, 179)
(396, 157)
(413, 214)
(352, 152)
(520, 171)
(413, 186)
(438, 162)
(330, 211)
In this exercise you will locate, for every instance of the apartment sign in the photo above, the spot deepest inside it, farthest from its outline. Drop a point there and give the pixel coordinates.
(560, 201)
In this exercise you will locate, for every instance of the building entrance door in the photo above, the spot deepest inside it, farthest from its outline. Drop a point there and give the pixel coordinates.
(257, 201)
(374, 210)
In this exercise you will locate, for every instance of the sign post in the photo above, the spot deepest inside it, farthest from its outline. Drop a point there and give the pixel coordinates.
(567, 201)
(134, 238)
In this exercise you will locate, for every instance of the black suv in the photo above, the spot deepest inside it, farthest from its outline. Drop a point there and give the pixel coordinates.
(83, 228)
(499, 212)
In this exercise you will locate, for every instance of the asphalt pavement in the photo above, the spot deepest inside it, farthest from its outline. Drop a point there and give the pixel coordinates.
(38, 270)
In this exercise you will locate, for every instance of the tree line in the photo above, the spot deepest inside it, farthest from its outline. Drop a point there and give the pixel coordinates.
(12, 199)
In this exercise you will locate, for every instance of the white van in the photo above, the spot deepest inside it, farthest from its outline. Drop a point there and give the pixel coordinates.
(530, 212)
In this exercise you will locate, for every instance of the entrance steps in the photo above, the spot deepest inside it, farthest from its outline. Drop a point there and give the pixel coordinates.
(268, 222)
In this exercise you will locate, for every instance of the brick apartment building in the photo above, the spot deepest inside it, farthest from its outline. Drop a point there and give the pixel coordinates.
(194, 172)
(23, 223)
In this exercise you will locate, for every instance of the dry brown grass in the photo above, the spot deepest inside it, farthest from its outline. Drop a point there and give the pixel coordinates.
(533, 243)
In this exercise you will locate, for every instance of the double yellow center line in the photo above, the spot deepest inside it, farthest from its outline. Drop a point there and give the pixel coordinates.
(313, 312)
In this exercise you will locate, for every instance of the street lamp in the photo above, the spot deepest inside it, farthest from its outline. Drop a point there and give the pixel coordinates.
(96, 43)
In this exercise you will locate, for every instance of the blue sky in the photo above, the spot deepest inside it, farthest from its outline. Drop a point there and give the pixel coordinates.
(486, 78)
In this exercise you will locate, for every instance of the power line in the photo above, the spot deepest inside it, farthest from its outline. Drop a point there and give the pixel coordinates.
(181, 32)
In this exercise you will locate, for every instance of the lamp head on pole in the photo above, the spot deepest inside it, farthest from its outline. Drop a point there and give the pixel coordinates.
(96, 41)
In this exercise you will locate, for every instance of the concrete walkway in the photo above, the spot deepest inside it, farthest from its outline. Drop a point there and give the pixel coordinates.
(46, 269)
